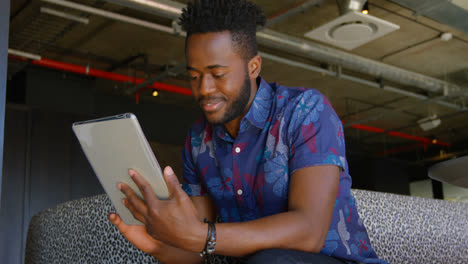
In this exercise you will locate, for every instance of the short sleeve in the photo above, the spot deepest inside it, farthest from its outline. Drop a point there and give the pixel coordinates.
(191, 182)
(315, 133)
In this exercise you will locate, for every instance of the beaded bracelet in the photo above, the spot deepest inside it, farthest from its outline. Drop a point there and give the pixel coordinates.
(210, 240)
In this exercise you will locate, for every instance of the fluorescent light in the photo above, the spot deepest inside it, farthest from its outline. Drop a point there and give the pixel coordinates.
(64, 15)
(159, 6)
(429, 123)
(24, 54)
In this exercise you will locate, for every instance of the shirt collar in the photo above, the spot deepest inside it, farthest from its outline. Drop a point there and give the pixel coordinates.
(258, 113)
(260, 109)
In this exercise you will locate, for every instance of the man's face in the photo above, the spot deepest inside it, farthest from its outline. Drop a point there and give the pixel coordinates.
(219, 78)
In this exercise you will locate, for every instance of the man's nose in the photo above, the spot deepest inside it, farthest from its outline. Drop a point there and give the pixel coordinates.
(207, 85)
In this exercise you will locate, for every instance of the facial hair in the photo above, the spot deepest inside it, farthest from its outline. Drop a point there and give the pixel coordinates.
(238, 106)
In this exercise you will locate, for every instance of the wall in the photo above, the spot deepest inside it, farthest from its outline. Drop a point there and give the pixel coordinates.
(384, 175)
(44, 166)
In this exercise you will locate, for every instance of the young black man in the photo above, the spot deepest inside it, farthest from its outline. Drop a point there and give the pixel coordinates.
(266, 159)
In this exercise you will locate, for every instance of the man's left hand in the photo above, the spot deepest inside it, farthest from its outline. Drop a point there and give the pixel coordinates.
(174, 221)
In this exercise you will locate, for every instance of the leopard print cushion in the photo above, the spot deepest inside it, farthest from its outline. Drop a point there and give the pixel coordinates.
(79, 232)
(406, 229)
(402, 229)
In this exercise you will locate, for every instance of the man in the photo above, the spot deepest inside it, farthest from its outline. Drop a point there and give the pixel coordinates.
(268, 160)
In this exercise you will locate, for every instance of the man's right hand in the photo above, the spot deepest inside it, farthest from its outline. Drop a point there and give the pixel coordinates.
(137, 235)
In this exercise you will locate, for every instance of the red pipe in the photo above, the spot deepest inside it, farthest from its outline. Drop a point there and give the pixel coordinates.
(108, 75)
(368, 128)
(423, 140)
(137, 94)
(184, 91)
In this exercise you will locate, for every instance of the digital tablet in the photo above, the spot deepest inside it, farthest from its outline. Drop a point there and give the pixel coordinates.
(113, 145)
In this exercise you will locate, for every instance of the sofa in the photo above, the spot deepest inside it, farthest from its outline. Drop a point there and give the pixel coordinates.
(402, 229)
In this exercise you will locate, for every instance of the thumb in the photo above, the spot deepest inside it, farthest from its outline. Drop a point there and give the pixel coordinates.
(117, 221)
(171, 180)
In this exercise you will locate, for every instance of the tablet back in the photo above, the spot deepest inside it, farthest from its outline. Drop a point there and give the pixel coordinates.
(113, 145)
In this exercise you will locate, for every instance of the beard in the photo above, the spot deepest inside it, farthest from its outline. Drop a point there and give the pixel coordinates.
(237, 107)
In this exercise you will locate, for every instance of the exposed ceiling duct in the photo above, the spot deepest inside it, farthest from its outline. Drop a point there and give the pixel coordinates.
(346, 6)
(313, 50)
(353, 28)
(450, 12)
(356, 63)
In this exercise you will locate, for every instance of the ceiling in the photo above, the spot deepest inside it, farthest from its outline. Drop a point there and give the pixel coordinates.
(377, 121)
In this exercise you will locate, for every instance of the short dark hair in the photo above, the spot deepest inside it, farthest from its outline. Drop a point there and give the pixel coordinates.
(239, 17)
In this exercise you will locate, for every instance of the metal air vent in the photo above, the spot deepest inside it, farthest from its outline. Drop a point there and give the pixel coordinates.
(352, 30)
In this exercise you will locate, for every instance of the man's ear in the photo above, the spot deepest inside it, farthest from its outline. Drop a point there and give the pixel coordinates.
(255, 66)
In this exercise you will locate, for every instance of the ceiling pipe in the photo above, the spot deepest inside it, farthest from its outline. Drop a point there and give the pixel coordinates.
(111, 15)
(86, 70)
(353, 62)
(318, 52)
(163, 75)
(397, 134)
(64, 15)
(359, 80)
(298, 8)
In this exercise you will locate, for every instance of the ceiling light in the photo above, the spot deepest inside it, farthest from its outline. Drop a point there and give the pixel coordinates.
(429, 123)
(155, 93)
(157, 5)
(365, 9)
(446, 36)
(352, 30)
(23, 54)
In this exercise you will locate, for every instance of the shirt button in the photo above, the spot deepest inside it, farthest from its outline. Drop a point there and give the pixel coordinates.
(237, 150)
(239, 192)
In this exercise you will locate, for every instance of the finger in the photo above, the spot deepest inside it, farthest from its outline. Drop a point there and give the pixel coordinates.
(172, 182)
(133, 199)
(117, 221)
(144, 186)
(136, 214)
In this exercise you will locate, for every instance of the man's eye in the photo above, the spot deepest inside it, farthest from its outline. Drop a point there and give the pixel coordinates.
(193, 77)
(217, 76)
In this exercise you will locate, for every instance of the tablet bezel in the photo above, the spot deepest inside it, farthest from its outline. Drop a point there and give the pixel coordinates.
(113, 145)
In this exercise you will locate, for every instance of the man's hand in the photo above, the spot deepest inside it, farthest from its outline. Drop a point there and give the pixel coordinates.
(174, 221)
(137, 235)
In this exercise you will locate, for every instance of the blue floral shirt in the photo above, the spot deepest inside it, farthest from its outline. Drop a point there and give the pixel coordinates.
(285, 129)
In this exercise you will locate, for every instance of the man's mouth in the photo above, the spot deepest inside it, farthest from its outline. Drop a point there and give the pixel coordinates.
(210, 106)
